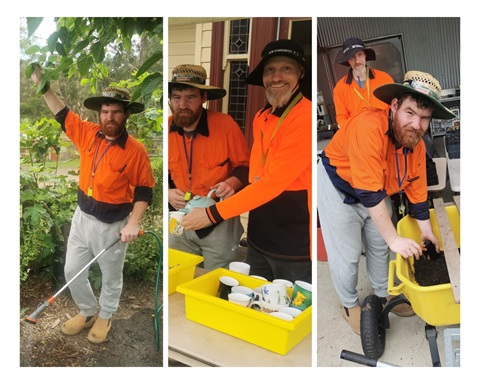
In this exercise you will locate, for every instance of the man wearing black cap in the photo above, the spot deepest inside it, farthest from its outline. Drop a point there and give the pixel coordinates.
(354, 91)
(278, 197)
(371, 158)
(206, 151)
(115, 189)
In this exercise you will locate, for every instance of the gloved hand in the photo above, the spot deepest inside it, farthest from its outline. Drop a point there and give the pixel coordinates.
(35, 72)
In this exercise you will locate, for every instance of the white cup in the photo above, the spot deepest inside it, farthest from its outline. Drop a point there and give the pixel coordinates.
(263, 306)
(294, 312)
(244, 290)
(257, 293)
(240, 267)
(175, 223)
(275, 294)
(259, 277)
(288, 283)
(239, 298)
(282, 315)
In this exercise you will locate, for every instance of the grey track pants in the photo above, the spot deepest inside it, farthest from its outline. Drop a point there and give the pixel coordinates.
(218, 248)
(346, 230)
(88, 237)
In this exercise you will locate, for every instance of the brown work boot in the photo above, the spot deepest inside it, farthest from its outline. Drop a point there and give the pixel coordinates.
(99, 331)
(76, 324)
(402, 310)
(352, 315)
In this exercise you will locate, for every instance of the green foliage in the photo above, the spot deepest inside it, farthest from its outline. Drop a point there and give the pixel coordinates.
(47, 200)
(143, 255)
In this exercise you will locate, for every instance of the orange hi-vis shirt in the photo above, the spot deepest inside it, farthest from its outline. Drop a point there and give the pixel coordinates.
(349, 98)
(279, 197)
(217, 151)
(362, 163)
(112, 175)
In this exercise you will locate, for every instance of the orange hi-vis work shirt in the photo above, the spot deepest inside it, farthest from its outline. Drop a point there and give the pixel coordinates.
(217, 151)
(113, 175)
(279, 197)
(349, 98)
(363, 163)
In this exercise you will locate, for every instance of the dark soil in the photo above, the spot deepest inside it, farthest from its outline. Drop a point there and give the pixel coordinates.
(431, 272)
(133, 340)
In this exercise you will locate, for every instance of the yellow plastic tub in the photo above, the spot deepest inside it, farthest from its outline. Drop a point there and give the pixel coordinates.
(181, 268)
(204, 307)
(434, 304)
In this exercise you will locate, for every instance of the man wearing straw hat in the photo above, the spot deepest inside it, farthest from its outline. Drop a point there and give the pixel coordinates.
(206, 150)
(354, 91)
(373, 157)
(278, 197)
(115, 189)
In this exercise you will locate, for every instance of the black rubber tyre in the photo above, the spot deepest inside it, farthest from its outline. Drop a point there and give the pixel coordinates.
(372, 330)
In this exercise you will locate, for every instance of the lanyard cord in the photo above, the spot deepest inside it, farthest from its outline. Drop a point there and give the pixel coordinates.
(367, 82)
(400, 182)
(189, 158)
(95, 162)
(284, 114)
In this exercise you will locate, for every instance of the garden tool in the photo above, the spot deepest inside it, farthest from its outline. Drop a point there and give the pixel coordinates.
(33, 317)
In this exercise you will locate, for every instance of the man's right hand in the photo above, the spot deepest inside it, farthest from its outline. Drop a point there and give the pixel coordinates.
(176, 198)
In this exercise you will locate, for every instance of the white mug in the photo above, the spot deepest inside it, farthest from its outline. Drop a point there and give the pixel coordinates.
(238, 266)
(275, 294)
(175, 223)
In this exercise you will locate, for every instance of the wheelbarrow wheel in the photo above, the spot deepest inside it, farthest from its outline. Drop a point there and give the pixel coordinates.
(372, 330)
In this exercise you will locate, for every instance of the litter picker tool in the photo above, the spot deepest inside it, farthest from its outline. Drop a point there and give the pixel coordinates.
(33, 317)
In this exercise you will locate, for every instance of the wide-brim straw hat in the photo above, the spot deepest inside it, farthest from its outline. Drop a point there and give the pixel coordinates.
(420, 83)
(195, 76)
(113, 95)
(282, 47)
(351, 46)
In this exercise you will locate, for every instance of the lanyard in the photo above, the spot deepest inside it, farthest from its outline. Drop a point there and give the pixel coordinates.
(284, 114)
(401, 208)
(189, 158)
(95, 165)
(367, 83)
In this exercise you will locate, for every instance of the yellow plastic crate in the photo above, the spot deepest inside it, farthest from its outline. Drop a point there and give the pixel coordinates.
(434, 304)
(204, 307)
(181, 268)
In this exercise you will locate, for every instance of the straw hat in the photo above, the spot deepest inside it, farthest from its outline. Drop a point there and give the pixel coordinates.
(116, 95)
(195, 76)
(282, 47)
(351, 46)
(420, 83)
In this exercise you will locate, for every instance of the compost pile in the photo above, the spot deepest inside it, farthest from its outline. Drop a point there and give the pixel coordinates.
(431, 272)
(132, 341)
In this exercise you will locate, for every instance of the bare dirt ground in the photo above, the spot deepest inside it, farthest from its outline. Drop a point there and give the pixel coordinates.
(133, 340)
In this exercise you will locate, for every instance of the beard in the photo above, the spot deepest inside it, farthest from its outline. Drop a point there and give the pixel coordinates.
(185, 118)
(278, 99)
(406, 136)
(112, 128)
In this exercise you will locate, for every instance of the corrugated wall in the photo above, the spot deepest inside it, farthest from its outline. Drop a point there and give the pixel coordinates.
(430, 44)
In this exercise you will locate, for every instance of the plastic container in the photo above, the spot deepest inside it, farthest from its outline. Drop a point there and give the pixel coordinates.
(204, 307)
(434, 304)
(181, 268)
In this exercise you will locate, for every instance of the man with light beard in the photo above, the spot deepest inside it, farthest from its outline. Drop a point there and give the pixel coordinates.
(115, 189)
(354, 91)
(373, 157)
(278, 197)
(206, 150)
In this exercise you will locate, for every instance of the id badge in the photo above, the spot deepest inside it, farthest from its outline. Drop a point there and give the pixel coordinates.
(89, 192)
(188, 196)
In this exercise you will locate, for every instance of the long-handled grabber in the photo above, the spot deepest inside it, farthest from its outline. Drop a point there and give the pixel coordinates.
(33, 317)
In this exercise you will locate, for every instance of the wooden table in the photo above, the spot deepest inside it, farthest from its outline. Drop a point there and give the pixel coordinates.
(196, 345)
